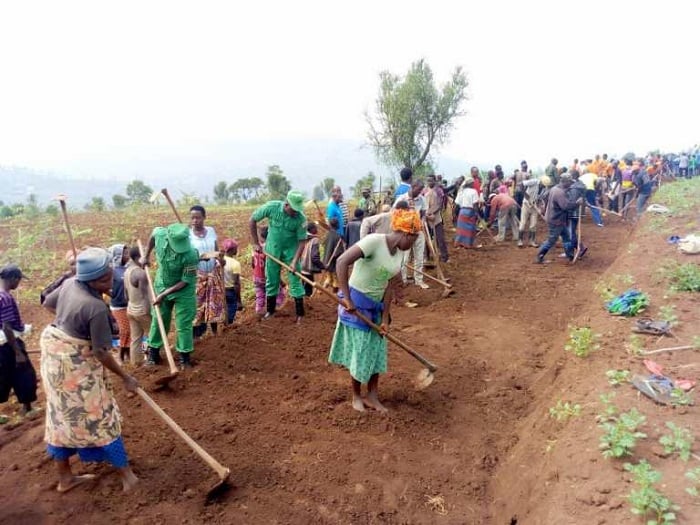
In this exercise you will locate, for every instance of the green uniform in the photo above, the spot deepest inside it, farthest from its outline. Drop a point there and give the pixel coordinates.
(282, 242)
(172, 268)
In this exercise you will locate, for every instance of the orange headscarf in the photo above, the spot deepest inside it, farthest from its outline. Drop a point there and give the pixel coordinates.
(406, 221)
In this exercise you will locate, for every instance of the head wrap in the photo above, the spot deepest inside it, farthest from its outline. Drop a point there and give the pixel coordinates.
(117, 252)
(92, 264)
(406, 221)
(229, 244)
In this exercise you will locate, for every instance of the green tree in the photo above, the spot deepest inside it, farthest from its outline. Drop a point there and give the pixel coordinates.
(277, 183)
(317, 193)
(96, 204)
(412, 115)
(366, 181)
(138, 192)
(327, 185)
(188, 199)
(222, 194)
(32, 207)
(52, 210)
(119, 201)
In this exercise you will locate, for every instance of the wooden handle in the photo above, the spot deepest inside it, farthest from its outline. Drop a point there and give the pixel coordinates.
(429, 241)
(70, 233)
(222, 471)
(430, 366)
(444, 283)
(161, 325)
(165, 193)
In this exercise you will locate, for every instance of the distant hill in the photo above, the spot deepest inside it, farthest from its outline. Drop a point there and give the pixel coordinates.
(196, 168)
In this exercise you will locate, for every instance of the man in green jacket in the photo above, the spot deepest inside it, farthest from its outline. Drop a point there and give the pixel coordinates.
(285, 241)
(175, 286)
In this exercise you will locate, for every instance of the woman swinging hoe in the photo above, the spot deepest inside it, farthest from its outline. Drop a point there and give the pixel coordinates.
(377, 262)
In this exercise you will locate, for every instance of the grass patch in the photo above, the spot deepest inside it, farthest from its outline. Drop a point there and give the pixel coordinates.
(683, 277)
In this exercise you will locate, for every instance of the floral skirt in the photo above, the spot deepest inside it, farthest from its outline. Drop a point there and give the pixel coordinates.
(211, 298)
(80, 408)
(362, 352)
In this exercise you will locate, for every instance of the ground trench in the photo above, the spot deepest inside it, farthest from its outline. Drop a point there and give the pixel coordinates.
(264, 401)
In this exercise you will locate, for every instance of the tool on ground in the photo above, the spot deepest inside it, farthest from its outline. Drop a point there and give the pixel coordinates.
(578, 234)
(164, 192)
(425, 377)
(604, 210)
(671, 349)
(62, 201)
(448, 287)
(433, 251)
(162, 381)
(221, 471)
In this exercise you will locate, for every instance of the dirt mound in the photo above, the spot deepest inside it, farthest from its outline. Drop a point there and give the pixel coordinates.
(264, 402)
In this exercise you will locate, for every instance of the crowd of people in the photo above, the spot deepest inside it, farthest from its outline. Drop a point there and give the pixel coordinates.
(104, 298)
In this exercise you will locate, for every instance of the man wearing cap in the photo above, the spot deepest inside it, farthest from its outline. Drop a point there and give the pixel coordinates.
(366, 203)
(558, 207)
(175, 287)
(285, 241)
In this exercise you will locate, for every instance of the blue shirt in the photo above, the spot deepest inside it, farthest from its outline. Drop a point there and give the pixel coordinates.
(333, 211)
(403, 188)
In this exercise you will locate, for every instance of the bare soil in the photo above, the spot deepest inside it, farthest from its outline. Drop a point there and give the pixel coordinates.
(475, 447)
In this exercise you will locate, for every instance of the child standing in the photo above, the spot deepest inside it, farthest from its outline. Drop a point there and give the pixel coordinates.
(232, 278)
(311, 262)
(259, 278)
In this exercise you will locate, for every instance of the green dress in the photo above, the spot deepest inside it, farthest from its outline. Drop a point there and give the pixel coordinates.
(364, 353)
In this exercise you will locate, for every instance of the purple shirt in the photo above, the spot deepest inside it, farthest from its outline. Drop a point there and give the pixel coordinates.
(9, 312)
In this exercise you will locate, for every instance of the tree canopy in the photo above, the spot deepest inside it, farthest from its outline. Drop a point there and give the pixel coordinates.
(412, 115)
(277, 184)
(138, 192)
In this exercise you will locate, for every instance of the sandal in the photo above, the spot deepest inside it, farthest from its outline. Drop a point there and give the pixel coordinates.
(647, 325)
(657, 388)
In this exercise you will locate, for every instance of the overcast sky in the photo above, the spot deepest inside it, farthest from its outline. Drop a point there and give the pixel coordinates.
(546, 78)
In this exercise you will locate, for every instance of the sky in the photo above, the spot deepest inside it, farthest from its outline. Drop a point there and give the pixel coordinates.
(564, 79)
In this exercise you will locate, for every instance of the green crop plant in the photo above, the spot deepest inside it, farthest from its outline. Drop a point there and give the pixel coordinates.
(618, 377)
(609, 288)
(635, 345)
(609, 409)
(562, 411)
(694, 476)
(684, 277)
(620, 433)
(646, 501)
(582, 341)
(679, 440)
(680, 397)
(668, 313)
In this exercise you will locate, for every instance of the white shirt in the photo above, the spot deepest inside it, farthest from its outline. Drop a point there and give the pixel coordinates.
(467, 197)
(419, 203)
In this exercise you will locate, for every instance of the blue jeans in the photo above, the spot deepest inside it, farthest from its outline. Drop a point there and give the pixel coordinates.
(231, 305)
(554, 233)
(590, 199)
(642, 199)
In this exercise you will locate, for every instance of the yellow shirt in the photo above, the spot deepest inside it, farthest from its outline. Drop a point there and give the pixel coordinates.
(231, 268)
(588, 179)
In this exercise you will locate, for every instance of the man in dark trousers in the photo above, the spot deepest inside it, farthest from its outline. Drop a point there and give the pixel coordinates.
(558, 208)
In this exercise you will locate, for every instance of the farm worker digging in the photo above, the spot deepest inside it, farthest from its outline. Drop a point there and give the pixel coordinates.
(175, 286)
(558, 206)
(285, 241)
(82, 415)
(377, 260)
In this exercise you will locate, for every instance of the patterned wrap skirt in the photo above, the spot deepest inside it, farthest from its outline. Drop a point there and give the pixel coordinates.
(81, 412)
(211, 297)
(466, 227)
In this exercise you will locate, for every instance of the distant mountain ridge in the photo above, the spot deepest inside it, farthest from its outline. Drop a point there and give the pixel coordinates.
(197, 168)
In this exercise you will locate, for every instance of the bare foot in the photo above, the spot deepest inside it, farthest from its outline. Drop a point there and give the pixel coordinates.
(357, 403)
(65, 486)
(129, 480)
(372, 402)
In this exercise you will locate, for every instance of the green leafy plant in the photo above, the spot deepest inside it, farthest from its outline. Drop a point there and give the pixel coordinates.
(694, 476)
(680, 397)
(621, 433)
(684, 277)
(645, 500)
(618, 377)
(609, 409)
(635, 345)
(582, 341)
(564, 410)
(668, 313)
(679, 440)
